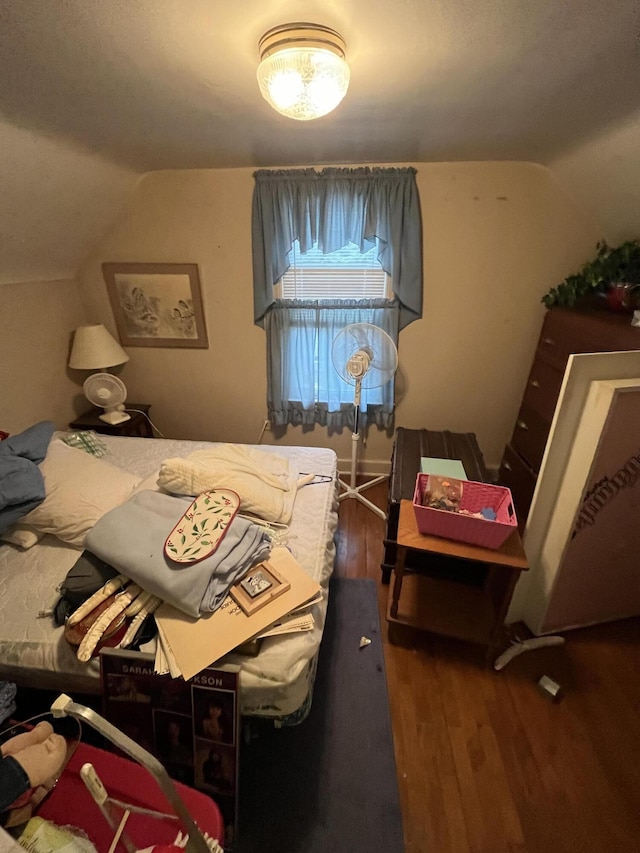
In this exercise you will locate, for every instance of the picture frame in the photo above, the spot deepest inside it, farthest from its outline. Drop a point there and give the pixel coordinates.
(215, 714)
(156, 304)
(258, 587)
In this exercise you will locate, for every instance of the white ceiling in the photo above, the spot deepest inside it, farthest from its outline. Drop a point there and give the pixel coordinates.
(170, 84)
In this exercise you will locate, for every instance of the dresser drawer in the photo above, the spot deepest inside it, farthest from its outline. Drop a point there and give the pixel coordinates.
(530, 435)
(517, 476)
(543, 388)
(565, 332)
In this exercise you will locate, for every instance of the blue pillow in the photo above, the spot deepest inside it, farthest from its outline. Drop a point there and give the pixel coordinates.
(21, 482)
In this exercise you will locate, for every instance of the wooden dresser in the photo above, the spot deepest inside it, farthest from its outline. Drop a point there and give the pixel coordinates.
(564, 331)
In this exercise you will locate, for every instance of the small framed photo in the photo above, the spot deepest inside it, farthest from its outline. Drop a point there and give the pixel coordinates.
(215, 715)
(215, 767)
(173, 737)
(156, 305)
(258, 587)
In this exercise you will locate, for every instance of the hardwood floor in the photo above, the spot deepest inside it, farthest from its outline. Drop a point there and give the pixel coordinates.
(485, 762)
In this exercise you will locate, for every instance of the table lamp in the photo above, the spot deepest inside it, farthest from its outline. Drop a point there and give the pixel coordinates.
(94, 348)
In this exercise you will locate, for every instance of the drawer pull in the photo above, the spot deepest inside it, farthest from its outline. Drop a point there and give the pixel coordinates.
(507, 466)
(534, 383)
(549, 342)
(522, 425)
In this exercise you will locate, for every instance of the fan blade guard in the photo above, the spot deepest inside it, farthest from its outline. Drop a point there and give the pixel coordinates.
(108, 392)
(366, 353)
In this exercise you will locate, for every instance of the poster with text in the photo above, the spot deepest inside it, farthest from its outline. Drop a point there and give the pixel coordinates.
(191, 727)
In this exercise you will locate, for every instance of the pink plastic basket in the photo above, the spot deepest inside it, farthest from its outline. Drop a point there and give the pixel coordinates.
(463, 528)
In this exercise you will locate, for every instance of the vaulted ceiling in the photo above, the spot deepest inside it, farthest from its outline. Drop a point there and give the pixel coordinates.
(170, 84)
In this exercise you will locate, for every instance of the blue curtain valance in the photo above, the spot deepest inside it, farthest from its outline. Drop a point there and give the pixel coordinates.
(368, 206)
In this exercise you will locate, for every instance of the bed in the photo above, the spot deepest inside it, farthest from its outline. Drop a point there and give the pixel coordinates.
(276, 683)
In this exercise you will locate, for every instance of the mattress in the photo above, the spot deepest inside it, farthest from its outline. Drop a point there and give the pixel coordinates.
(275, 683)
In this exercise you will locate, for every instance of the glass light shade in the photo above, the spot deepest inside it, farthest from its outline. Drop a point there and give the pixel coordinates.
(300, 77)
(94, 348)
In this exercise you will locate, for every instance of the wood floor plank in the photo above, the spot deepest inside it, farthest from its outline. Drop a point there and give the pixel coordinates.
(522, 773)
(445, 825)
(484, 761)
(490, 813)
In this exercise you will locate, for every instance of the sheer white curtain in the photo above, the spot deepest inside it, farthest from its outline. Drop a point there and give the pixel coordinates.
(303, 385)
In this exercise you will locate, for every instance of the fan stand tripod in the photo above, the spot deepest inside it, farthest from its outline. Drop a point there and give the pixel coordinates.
(351, 490)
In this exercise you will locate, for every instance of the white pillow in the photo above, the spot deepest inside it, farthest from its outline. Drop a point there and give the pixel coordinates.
(79, 490)
(22, 536)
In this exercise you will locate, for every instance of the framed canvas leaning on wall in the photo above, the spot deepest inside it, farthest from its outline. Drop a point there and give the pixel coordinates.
(581, 536)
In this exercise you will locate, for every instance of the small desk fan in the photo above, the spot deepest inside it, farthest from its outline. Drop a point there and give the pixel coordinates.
(109, 392)
(364, 356)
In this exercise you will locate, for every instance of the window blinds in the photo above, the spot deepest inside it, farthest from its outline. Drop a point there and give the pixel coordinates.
(345, 274)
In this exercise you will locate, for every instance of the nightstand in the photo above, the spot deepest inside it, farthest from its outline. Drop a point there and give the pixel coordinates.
(473, 604)
(408, 448)
(137, 425)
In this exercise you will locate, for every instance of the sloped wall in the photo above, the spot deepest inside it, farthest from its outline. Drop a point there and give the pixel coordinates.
(603, 176)
(37, 320)
(56, 203)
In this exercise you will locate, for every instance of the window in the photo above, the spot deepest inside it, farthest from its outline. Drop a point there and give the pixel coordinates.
(331, 248)
(340, 277)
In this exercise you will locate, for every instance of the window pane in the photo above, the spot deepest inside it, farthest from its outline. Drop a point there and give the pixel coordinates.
(308, 372)
(345, 274)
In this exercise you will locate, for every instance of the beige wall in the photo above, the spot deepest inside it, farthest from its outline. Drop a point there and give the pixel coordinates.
(36, 324)
(603, 174)
(496, 237)
(55, 204)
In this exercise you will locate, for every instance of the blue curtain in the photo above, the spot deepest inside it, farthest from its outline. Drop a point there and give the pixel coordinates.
(300, 370)
(371, 207)
(366, 206)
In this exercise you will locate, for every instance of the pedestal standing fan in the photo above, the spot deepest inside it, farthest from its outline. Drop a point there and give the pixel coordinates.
(366, 357)
(106, 390)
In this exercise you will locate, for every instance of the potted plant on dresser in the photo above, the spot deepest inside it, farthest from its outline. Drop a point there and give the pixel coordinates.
(614, 274)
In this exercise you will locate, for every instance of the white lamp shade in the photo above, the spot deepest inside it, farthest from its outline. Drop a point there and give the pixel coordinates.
(95, 348)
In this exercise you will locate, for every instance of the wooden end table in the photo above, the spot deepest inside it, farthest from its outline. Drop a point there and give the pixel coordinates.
(409, 446)
(137, 425)
(474, 611)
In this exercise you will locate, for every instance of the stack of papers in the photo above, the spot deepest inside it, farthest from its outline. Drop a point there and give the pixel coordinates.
(295, 622)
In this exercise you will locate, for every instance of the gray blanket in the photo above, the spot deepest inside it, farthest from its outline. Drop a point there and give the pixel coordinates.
(21, 483)
(131, 538)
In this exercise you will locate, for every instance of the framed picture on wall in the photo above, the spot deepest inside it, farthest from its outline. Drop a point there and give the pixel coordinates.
(156, 305)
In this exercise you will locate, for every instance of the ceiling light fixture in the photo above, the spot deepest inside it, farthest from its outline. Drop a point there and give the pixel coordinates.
(303, 73)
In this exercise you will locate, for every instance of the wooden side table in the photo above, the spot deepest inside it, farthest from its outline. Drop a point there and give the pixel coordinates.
(137, 425)
(474, 611)
(408, 448)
